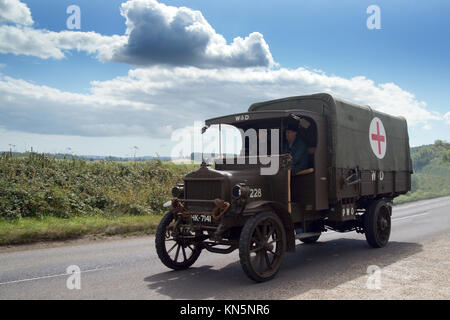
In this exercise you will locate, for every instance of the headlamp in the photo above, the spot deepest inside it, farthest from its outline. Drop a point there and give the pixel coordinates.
(178, 191)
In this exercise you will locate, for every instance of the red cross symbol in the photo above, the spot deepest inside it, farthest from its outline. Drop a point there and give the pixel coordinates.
(378, 137)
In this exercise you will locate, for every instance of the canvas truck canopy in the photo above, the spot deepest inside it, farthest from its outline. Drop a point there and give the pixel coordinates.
(358, 136)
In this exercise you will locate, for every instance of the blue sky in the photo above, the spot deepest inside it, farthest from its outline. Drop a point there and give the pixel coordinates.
(410, 50)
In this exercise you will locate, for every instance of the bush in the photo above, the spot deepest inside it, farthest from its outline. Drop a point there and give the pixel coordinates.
(38, 185)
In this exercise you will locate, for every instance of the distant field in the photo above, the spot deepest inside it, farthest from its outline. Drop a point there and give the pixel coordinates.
(48, 198)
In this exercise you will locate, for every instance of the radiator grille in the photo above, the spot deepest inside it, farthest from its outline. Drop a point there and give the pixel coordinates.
(203, 189)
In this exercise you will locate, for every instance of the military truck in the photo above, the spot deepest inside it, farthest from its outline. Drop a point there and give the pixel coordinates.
(359, 162)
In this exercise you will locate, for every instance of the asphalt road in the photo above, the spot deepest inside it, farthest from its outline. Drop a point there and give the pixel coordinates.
(130, 268)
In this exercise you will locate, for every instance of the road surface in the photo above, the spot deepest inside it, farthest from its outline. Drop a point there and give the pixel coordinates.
(415, 264)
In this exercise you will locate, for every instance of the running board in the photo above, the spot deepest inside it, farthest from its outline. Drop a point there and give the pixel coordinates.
(306, 235)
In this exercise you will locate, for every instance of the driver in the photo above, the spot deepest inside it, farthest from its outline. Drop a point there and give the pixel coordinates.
(297, 148)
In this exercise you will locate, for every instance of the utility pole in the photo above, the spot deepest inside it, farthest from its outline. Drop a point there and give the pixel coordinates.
(11, 147)
(135, 150)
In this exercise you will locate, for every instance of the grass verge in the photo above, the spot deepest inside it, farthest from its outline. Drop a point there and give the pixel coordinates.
(413, 197)
(29, 230)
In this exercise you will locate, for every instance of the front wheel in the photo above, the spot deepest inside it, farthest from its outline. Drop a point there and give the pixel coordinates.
(261, 246)
(176, 252)
(377, 224)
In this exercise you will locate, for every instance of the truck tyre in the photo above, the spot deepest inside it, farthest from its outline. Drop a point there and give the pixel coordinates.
(377, 224)
(176, 253)
(261, 246)
(310, 239)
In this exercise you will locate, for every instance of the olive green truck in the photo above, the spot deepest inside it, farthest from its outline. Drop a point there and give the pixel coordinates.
(359, 161)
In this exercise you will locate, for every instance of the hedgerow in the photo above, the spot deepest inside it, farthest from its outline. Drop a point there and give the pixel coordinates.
(37, 185)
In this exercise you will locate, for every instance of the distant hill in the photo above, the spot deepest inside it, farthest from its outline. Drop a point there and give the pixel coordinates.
(198, 156)
(431, 176)
(89, 157)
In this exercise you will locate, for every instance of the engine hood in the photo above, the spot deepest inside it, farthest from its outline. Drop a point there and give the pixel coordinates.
(207, 183)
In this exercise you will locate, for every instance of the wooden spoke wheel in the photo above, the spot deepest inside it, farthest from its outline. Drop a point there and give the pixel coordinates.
(262, 245)
(176, 252)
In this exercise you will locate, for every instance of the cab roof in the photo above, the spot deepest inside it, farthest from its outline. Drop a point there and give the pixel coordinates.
(313, 102)
(239, 119)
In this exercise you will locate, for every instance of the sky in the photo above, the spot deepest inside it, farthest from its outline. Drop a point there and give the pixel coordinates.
(134, 73)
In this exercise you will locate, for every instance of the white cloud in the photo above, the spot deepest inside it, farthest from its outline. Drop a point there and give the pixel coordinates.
(32, 108)
(21, 39)
(154, 101)
(48, 44)
(447, 118)
(161, 34)
(14, 11)
(156, 34)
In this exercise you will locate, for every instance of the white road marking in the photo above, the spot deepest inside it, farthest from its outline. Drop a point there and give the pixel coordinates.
(53, 276)
(412, 216)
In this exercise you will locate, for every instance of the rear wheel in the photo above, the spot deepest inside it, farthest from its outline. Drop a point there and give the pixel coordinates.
(377, 224)
(176, 252)
(261, 246)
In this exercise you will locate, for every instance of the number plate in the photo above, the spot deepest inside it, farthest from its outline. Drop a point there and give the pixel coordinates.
(201, 218)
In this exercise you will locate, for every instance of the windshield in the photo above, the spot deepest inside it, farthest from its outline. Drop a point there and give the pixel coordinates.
(251, 138)
(257, 137)
(221, 140)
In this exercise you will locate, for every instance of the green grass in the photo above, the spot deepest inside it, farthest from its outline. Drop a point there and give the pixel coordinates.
(29, 230)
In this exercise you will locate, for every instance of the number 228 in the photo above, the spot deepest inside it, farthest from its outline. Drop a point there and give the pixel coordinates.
(255, 193)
